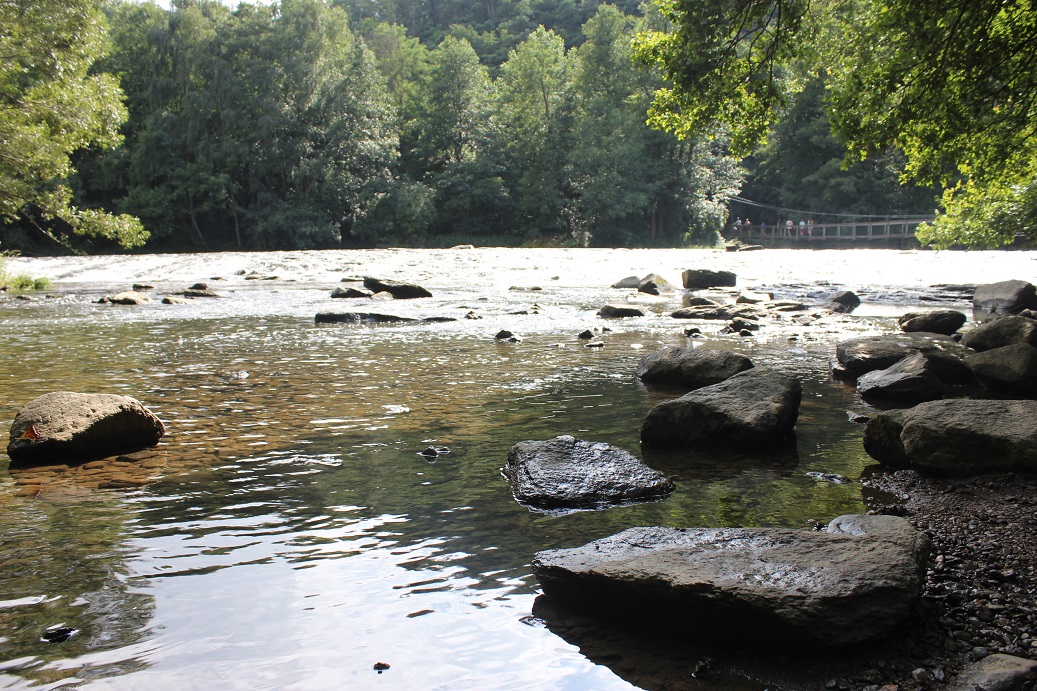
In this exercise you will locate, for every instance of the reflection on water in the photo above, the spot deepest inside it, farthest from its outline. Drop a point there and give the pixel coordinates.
(286, 533)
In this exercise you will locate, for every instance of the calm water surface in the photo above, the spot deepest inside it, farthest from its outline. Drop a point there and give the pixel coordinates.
(286, 534)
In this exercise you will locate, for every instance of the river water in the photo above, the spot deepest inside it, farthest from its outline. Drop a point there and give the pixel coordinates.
(286, 533)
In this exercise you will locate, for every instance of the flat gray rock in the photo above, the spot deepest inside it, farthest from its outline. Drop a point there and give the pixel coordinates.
(997, 672)
(64, 426)
(910, 380)
(567, 473)
(693, 368)
(854, 582)
(956, 437)
(861, 355)
(752, 408)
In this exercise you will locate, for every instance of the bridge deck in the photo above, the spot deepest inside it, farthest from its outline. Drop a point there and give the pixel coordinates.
(828, 232)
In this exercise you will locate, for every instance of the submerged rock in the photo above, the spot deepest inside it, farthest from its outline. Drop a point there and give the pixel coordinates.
(751, 408)
(399, 291)
(71, 427)
(711, 312)
(567, 473)
(943, 322)
(956, 437)
(854, 582)
(697, 279)
(693, 368)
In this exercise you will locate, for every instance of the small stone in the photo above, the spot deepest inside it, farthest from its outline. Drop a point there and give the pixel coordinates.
(381, 666)
(586, 334)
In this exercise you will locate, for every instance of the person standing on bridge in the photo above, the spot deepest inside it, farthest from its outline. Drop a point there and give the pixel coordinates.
(788, 228)
(810, 227)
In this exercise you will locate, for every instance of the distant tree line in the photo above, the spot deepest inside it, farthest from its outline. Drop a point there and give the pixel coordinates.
(310, 123)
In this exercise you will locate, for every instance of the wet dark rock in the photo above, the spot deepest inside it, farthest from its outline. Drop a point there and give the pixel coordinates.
(138, 287)
(628, 282)
(349, 293)
(844, 301)
(854, 582)
(507, 337)
(693, 368)
(654, 284)
(1004, 297)
(58, 634)
(956, 437)
(751, 408)
(910, 380)
(744, 324)
(199, 286)
(568, 473)
(693, 332)
(67, 426)
(698, 301)
(594, 344)
(619, 311)
(697, 279)
(861, 355)
(712, 312)
(586, 334)
(938, 321)
(399, 291)
(200, 293)
(1011, 368)
(1001, 331)
(998, 672)
(359, 318)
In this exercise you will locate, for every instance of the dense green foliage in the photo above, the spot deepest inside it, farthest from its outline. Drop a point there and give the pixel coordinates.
(328, 123)
(952, 85)
(51, 107)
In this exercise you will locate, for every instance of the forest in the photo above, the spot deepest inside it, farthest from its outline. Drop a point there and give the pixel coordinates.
(363, 123)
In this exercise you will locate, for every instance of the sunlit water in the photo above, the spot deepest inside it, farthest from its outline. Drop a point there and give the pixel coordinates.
(287, 534)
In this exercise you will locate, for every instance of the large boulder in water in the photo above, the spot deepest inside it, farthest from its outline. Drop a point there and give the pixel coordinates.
(697, 279)
(693, 368)
(936, 321)
(861, 355)
(843, 301)
(71, 427)
(400, 291)
(752, 408)
(1005, 297)
(854, 582)
(956, 437)
(567, 473)
(911, 379)
(1000, 332)
(654, 284)
(619, 311)
(1011, 368)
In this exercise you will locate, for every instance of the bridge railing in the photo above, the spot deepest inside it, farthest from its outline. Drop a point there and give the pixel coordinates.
(828, 232)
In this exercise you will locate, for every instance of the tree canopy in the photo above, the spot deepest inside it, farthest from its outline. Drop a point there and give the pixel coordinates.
(50, 107)
(951, 84)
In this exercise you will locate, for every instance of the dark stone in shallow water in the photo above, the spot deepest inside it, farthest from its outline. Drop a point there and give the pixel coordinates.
(854, 582)
(568, 473)
(358, 318)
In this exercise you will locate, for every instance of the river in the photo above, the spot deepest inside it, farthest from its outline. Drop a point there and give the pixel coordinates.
(286, 533)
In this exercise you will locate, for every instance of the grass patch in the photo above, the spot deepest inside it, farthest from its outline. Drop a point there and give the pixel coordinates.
(21, 281)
